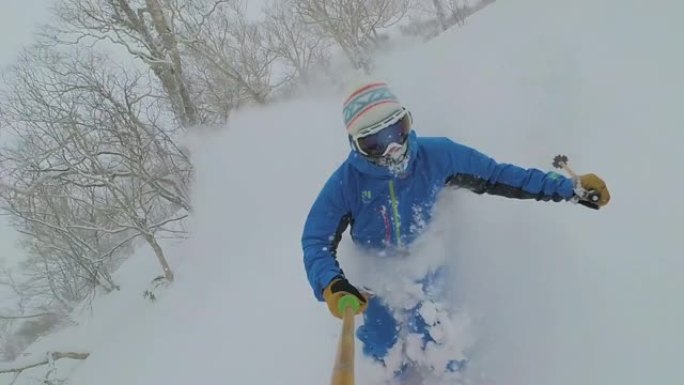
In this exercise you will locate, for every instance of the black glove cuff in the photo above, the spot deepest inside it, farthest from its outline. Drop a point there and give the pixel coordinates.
(342, 285)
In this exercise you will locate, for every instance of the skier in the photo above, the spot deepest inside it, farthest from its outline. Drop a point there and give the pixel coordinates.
(388, 174)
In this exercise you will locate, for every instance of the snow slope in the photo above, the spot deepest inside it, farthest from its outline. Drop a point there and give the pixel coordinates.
(557, 294)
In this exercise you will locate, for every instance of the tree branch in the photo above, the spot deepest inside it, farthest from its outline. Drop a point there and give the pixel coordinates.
(51, 356)
(13, 317)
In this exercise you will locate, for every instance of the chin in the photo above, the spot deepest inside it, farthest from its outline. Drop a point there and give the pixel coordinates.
(396, 164)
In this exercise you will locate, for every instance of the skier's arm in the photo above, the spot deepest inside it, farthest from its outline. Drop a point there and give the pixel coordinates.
(482, 174)
(327, 220)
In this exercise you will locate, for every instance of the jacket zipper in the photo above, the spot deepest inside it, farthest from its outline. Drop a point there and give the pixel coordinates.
(395, 213)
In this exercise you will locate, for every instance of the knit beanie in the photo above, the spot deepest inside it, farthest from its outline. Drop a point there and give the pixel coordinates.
(368, 103)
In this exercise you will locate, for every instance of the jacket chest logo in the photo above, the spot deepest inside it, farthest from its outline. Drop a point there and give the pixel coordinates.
(366, 196)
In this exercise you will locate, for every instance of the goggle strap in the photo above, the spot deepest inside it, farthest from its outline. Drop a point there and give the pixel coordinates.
(377, 127)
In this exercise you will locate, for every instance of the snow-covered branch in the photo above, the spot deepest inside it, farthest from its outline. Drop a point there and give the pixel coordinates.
(353, 24)
(16, 317)
(299, 46)
(15, 367)
(142, 28)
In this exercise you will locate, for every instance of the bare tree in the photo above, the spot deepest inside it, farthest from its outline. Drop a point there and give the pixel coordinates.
(429, 19)
(89, 140)
(441, 14)
(299, 46)
(48, 359)
(17, 334)
(448, 12)
(230, 52)
(26, 318)
(353, 24)
(145, 28)
(207, 55)
(458, 10)
(67, 254)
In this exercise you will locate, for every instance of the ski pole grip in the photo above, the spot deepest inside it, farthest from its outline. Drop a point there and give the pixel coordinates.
(590, 205)
(351, 301)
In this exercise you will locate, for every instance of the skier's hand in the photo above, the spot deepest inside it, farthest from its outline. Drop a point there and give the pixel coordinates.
(592, 190)
(338, 288)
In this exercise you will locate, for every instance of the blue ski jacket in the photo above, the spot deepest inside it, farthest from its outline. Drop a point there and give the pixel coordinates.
(386, 210)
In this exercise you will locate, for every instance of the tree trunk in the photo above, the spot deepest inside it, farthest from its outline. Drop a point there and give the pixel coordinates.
(172, 76)
(168, 273)
(441, 15)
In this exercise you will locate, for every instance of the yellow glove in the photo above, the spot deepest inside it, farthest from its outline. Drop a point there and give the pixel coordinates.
(338, 288)
(592, 190)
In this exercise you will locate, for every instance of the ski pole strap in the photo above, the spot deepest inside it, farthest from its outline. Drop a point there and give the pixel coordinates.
(349, 300)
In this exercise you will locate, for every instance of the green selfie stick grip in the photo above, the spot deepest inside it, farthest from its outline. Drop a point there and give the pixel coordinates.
(351, 301)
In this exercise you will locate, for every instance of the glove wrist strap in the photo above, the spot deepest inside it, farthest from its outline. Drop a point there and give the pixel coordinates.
(580, 192)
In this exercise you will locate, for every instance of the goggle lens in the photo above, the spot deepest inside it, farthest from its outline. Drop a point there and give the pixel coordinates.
(375, 145)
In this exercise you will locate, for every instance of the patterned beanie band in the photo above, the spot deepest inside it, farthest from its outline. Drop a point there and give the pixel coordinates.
(368, 104)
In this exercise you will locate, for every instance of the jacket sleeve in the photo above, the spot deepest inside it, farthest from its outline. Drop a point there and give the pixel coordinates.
(327, 220)
(482, 174)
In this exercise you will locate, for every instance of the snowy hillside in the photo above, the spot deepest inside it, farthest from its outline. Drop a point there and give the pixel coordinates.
(557, 294)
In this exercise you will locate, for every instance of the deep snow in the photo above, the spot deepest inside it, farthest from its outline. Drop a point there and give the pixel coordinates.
(555, 293)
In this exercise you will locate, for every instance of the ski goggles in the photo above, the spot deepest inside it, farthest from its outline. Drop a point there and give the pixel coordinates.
(375, 140)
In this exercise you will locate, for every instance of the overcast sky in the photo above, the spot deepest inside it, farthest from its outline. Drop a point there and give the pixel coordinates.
(19, 19)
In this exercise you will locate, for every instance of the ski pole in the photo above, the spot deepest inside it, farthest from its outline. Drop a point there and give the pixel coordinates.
(590, 198)
(343, 371)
